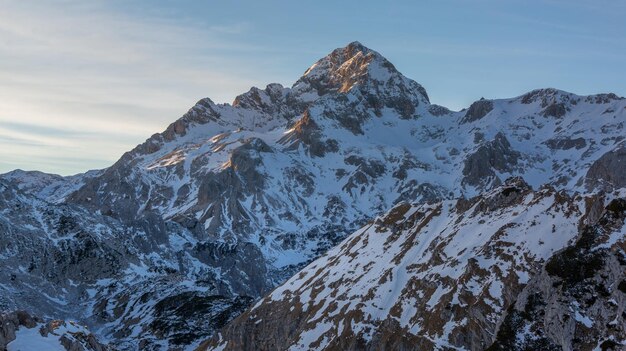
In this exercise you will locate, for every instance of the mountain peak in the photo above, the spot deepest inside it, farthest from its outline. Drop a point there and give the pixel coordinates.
(357, 44)
(351, 51)
(353, 60)
(354, 65)
(353, 48)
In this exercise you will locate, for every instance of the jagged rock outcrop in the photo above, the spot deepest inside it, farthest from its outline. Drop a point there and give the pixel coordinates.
(20, 331)
(566, 144)
(11, 322)
(608, 171)
(477, 110)
(495, 156)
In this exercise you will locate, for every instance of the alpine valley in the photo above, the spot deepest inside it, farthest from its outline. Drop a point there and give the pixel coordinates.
(345, 212)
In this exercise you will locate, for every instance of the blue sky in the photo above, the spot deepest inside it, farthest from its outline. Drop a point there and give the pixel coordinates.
(81, 82)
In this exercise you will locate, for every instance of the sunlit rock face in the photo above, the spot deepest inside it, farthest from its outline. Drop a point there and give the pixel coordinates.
(188, 229)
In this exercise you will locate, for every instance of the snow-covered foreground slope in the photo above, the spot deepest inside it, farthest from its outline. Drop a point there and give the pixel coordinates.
(189, 228)
(441, 276)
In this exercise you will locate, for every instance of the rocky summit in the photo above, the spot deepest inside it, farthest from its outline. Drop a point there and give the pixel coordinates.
(344, 212)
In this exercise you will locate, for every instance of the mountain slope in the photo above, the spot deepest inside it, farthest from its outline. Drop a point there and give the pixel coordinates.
(443, 276)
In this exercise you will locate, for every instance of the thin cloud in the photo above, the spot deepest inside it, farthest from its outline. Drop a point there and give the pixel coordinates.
(96, 79)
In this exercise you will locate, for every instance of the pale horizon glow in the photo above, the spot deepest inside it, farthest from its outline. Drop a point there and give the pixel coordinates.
(83, 82)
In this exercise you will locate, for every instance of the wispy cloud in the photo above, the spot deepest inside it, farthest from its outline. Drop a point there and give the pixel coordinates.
(89, 77)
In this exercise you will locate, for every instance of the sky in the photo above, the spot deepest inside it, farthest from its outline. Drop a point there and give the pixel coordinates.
(81, 82)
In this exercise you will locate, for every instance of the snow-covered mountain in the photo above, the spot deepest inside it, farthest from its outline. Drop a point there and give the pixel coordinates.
(186, 230)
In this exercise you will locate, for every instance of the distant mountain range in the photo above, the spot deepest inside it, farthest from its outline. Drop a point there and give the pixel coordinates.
(391, 223)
